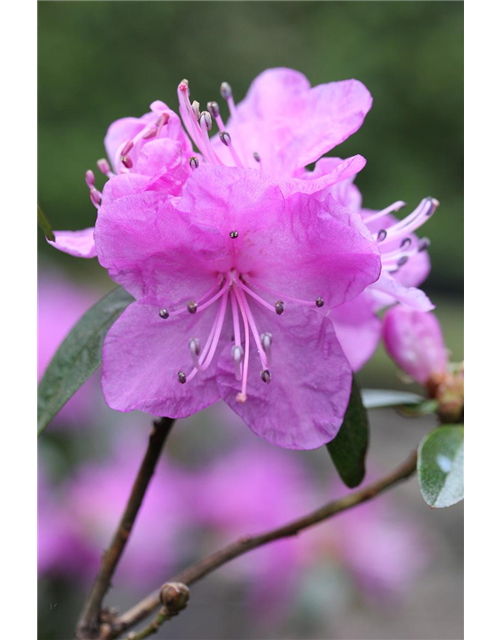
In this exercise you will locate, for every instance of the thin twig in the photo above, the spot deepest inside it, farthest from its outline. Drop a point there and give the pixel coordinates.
(89, 624)
(197, 571)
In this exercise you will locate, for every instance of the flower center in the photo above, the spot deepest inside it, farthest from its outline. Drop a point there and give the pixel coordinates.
(235, 290)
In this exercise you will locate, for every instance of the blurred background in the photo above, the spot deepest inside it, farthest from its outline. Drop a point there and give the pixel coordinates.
(400, 579)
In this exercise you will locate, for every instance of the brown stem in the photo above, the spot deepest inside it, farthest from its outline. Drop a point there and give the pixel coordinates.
(88, 626)
(197, 571)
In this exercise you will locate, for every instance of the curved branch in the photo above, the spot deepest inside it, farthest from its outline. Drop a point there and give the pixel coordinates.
(197, 571)
(89, 623)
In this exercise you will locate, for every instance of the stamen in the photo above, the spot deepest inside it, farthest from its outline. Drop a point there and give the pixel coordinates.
(90, 178)
(405, 242)
(319, 302)
(396, 206)
(226, 140)
(192, 307)
(104, 168)
(424, 244)
(266, 341)
(307, 303)
(257, 297)
(206, 304)
(150, 133)
(242, 396)
(181, 376)
(255, 332)
(279, 307)
(194, 163)
(161, 122)
(233, 234)
(381, 235)
(206, 126)
(403, 260)
(196, 109)
(237, 355)
(164, 314)
(213, 109)
(256, 156)
(265, 376)
(126, 161)
(236, 330)
(194, 348)
(227, 93)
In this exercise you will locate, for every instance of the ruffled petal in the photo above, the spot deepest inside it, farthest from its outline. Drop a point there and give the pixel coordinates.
(358, 329)
(77, 243)
(387, 291)
(304, 404)
(154, 252)
(313, 184)
(142, 356)
(291, 125)
(299, 247)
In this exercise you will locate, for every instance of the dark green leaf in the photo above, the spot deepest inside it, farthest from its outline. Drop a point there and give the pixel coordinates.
(441, 466)
(44, 224)
(78, 356)
(348, 449)
(381, 398)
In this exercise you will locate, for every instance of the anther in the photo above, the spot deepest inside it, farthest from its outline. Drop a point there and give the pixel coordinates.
(226, 91)
(319, 302)
(127, 147)
(225, 138)
(184, 85)
(266, 341)
(405, 242)
(194, 346)
(237, 353)
(103, 166)
(207, 119)
(164, 314)
(89, 178)
(126, 162)
(403, 260)
(280, 307)
(381, 235)
(265, 376)
(150, 133)
(241, 397)
(95, 196)
(194, 163)
(192, 306)
(424, 244)
(196, 109)
(213, 109)
(256, 156)
(181, 376)
(233, 234)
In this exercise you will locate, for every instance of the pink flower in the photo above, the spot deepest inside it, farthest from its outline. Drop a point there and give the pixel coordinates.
(415, 342)
(405, 265)
(96, 496)
(61, 304)
(234, 268)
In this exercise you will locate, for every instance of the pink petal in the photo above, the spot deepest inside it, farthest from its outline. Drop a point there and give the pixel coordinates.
(304, 404)
(388, 290)
(358, 329)
(142, 356)
(77, 243)
(153, 251)
(342, 171)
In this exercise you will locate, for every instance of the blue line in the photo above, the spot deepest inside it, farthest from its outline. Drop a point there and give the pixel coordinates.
(481, 542)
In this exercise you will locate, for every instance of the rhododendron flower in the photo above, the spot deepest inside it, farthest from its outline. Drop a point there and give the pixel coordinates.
(405, 265)
(220, 255)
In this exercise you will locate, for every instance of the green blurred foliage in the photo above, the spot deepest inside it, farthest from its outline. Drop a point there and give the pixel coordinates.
(99, 61)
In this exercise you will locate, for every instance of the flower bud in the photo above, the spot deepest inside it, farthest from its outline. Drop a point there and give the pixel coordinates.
(415, 342)
(174, 596)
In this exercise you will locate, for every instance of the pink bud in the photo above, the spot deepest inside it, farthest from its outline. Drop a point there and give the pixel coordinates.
(415, 342)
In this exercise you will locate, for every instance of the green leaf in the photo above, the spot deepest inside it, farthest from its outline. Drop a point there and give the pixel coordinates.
(78, 356)
(348, 449)
(44, 225)
(440, 466)
(381, 398)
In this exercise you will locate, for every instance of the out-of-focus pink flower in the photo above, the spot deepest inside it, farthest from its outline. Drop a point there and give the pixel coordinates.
(62, 550)
(96, 497)
(257, 488)
(415, 342)
(61, 303)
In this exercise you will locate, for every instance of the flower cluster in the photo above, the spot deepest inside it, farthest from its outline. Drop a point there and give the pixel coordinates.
(256, 280)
